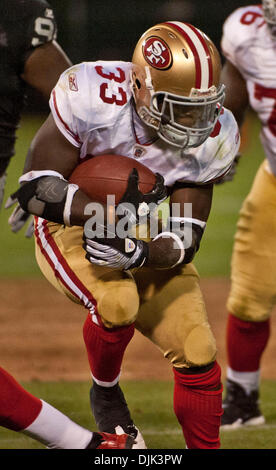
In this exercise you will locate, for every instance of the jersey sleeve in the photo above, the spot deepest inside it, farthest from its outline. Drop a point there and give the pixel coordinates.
(38, 27)
(65, 99)
(222, 148)
(231, 35)
(214, 158)
(237, 33)
(44, 27)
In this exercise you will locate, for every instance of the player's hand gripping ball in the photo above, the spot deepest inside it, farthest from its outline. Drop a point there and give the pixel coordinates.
(124, 180)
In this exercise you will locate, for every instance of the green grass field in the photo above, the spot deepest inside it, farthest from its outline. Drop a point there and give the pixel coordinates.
(150, 402)
(151, 405)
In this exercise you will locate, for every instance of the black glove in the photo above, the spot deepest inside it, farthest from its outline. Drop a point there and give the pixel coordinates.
(134, 204)
(120, 253)
(19, 217)
(229, 176)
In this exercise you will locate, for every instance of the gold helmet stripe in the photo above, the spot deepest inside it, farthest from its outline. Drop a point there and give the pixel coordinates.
(200, 50)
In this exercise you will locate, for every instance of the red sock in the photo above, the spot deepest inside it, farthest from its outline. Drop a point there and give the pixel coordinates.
(105, 348)
(18, 408)
(198, 406)
(246, 342)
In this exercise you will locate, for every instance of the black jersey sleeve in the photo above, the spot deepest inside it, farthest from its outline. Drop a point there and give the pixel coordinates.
(40, 27)
(24, 26)
(43, 26)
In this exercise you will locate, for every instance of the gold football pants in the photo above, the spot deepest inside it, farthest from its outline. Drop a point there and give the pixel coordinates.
(253, 276)
(166, 305)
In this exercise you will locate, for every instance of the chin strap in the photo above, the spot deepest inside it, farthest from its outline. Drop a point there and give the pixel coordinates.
(148, 81)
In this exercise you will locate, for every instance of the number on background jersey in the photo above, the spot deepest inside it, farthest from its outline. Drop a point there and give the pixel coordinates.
(106, 92)
(250, 16)
(45, 28)
(262, 92)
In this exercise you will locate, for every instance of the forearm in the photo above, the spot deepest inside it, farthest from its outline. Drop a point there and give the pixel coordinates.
(177, 245)
(168, 251)
(48, 195)
(27, 164)
(83, 209)
(163, 253)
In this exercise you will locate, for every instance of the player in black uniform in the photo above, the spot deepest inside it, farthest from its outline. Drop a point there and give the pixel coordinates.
(30, 55)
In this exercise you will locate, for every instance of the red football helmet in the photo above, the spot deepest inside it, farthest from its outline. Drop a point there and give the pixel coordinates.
(176, 83)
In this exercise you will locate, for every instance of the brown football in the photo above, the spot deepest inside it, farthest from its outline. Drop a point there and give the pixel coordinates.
(104, 175)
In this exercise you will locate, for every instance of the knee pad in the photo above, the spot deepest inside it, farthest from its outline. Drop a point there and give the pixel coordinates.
(251, 302)
(119, 304)
(198, 349)
(200, 346)
(250, 308)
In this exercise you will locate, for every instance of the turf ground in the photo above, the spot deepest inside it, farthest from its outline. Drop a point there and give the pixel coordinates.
(150, 400)
(150, 403)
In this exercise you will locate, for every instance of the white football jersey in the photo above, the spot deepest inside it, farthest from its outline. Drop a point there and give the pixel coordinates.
(247, 43)
(93, 107)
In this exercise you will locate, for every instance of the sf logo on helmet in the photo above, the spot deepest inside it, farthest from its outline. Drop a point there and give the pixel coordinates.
(157, 53)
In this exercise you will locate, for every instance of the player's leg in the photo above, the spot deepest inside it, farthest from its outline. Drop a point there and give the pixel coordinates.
(105, 349)
(112, 300)
(252, 295)
(22, 412)
(106, 337)
(173, 316)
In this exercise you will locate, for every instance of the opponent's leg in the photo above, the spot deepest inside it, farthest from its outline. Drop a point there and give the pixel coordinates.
(21, 411)
(173, 316)
(252, 296)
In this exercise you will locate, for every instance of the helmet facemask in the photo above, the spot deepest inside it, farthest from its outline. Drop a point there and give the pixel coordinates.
(183, 122)
(269, 12)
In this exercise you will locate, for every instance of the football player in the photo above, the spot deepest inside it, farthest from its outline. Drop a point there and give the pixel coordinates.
(30, 57)
(165, 108)
(249, 45)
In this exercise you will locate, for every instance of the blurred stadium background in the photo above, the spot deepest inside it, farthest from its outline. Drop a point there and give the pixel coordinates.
(101, 30)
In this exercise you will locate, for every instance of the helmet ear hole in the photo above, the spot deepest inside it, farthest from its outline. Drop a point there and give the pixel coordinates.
(138, 84)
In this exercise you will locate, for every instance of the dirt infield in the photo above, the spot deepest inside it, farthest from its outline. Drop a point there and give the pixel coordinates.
(41, 335)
